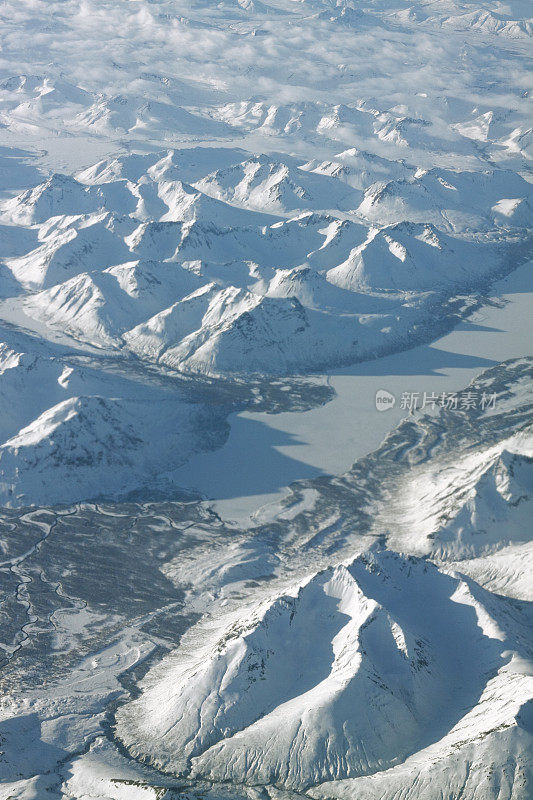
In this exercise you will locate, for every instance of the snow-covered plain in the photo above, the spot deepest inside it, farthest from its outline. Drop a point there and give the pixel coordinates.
(224, 226)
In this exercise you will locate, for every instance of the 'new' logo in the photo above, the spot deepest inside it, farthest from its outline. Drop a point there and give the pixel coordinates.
(384, 400)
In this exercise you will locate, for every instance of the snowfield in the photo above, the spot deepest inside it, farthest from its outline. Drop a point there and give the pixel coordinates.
(224, 226)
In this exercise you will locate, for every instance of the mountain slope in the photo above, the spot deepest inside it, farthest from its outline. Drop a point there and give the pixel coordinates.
(343, 676)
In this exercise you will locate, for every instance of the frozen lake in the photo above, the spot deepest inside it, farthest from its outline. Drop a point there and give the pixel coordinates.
(266, 452)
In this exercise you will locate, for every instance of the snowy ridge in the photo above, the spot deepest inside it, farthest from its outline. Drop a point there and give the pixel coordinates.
(493, 199)
(72, 433)
(355, 289)
(376, 679)
(481, 507)
(302, 685)
(230, 195)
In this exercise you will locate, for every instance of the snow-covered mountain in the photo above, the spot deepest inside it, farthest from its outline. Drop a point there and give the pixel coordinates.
(279, 287)
(457, 201)
(215, 582)
(412, 257)
(69, 433)
(101, 306)
(304, 685)
(347, 674)
(278, 187)
(360, 169)
(496, 510)
(68, 251)
(217, 331)
(473, 505)
(62, 195)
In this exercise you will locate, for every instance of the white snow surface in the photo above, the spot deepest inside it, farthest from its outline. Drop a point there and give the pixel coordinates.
(345, 675)
(224, 226)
